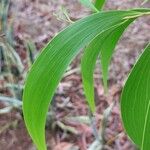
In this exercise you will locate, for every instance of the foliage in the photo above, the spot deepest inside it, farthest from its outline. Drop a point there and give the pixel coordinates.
(100, 32)
(135, 103)
(103, 45)
(89, 4)
(99, 4)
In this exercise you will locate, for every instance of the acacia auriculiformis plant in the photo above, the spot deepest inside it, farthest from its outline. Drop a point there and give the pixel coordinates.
(99, 33)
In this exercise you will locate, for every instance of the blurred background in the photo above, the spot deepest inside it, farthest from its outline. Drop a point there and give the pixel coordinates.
(25, 27)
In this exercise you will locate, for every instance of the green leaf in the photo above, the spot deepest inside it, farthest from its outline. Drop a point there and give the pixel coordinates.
(99, 4)
(135, 102)
(108, 47)
(89, 4)
(104, 45)
(50, 66)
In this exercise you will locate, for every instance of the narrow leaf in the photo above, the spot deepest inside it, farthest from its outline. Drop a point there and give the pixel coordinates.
(104, 44)
(50, 66)
(135, 102)
(89, 4)
(99, 4)
(108, 47)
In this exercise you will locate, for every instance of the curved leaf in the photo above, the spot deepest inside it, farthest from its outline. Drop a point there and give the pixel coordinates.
(135, 102)
(99, 4)
(48, 69)
(103, 44)
(108, 47)
(89, 4)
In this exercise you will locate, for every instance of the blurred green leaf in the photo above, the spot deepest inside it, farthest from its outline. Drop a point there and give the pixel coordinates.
(89, 4)
(135, 102)
(99, 4)
(50, 66)
(31, 48)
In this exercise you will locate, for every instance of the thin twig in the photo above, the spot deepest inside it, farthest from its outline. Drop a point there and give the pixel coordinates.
(8, 125)
(67, 128)
(13, 101)
(72, 71)
(104, 121)
(93, 125)
(5, 110)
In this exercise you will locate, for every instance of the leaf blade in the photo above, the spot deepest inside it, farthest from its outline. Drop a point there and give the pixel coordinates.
(108, 48)
(89, 4)
(135, 101)
(99, 4)
(49, 67)
(104, 45)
